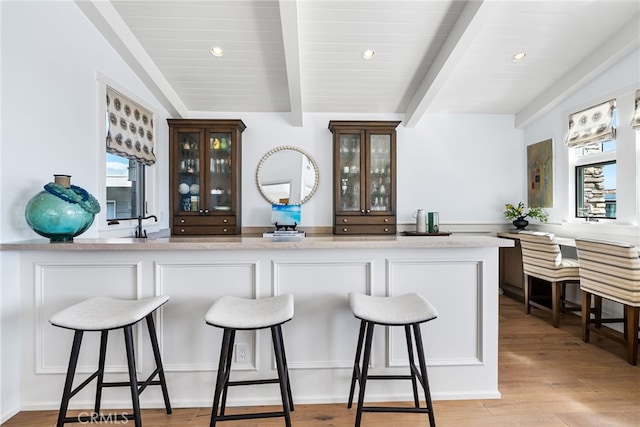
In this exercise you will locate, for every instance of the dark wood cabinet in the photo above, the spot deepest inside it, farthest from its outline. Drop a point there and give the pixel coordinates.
(364, 176)
(205, 158)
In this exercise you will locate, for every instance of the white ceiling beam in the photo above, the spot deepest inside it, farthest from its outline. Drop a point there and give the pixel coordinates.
(108, 21)
(611, 51)
(467, 27)
(291, 42)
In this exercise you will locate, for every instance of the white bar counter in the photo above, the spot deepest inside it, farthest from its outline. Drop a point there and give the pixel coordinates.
(458, 274)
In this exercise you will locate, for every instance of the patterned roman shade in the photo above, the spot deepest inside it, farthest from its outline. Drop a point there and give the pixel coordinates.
(592, 125)
(130, 129)
(635, 122)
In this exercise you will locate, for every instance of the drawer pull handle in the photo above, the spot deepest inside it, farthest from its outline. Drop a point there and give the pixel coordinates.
(182, 221)
(344, 229)
(224, 229)
(386, 220)
(386, 230)
(182, 230)
(345, 220)
(225, 220)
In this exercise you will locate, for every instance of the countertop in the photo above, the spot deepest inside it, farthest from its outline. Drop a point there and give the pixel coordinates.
(258, 242)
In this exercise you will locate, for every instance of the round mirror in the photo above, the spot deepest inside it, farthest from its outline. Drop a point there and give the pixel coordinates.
(287, 176)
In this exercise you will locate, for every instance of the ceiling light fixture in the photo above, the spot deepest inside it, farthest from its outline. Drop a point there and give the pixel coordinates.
(519, 56)
(217, 51)
(368, 54)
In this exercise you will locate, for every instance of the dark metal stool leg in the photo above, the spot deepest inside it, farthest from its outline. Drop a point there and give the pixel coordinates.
(276, 335)
(364, 371)
(133, 380)
(286, 370)
(424, 379)
(158, 359)
(104, 335)
(356, 364)
(224, 355)
(407, 333)
(227, 371)
(71, 371)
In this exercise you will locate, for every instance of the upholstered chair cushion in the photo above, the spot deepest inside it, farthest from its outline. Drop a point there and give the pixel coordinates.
(610, 269)
(397, 310)
(246, 313)
(542, 258)
(104, 313)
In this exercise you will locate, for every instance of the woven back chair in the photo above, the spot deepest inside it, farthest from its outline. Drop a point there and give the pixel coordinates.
(542, 259)
(610, 270)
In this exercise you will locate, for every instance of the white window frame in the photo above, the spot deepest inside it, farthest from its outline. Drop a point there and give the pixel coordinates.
(626, 156)
(124, 228)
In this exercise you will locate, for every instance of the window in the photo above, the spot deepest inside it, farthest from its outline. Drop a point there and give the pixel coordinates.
(596, 190)
(595, 166)
(129, 149)
(125, 187)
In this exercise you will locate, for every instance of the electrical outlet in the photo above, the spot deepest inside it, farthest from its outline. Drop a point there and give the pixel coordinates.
(241, 352)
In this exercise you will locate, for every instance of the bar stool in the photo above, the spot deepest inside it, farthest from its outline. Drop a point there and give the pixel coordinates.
(233, 314)
(409, 310)
(104, 314)
(542, 259)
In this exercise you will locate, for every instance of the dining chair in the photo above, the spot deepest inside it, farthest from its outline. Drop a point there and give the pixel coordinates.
(542, 259)
(610, 270)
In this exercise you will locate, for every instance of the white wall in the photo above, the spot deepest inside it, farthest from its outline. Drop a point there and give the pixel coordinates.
(51, 54)
(619, 82)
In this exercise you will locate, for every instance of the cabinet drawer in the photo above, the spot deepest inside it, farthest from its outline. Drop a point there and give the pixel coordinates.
(204, 220)
(364, 229)
(204, 230)
(366, 220)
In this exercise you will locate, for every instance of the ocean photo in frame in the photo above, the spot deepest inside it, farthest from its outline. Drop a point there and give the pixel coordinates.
(285, 215)
(540, 174)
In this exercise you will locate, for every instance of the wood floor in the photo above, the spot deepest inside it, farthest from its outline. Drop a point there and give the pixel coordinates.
(547, 377)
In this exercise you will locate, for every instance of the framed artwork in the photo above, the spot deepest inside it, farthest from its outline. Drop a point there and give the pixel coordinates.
(540, 174)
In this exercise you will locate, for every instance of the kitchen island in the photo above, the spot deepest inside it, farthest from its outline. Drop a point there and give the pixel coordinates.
(458, 274)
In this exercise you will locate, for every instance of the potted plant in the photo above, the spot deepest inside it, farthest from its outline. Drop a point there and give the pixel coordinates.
(518, 214)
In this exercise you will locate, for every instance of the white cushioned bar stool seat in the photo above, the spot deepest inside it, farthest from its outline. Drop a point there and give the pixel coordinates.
(104, 314)
(231, 314)
(242, 313)
(409, 311)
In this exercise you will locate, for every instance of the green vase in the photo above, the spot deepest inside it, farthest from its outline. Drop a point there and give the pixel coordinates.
(62, 211)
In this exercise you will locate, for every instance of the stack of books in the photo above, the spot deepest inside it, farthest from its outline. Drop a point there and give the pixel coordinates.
(284, 235)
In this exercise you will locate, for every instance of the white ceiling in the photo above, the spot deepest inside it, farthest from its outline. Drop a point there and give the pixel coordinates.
(303, 56)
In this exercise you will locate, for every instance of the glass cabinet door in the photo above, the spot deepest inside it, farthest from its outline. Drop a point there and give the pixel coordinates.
(379, 186)
(350, 173)
(189, 172)
(220, 168)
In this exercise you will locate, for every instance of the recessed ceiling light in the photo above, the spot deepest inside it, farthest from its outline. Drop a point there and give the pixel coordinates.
(368, 54)
(217, 51)
(519, 56)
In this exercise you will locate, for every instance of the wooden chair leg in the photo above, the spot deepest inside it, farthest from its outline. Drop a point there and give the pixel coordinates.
(586, 315)
(597, 306)
(631, 329)
(527, 293)
(556, 292)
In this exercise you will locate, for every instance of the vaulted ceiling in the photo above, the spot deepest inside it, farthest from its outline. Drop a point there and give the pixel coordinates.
(304, 56)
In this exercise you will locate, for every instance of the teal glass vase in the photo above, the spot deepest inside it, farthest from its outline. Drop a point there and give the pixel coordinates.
(62, 211)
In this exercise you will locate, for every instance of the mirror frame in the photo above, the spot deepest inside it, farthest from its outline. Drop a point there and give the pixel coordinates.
(285, 148)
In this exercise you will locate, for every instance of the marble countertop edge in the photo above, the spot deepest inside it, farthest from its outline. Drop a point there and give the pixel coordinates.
(258, 242)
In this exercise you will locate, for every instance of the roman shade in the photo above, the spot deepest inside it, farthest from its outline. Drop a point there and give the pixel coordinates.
(130, 129)
(594, 124)
(635, 122)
